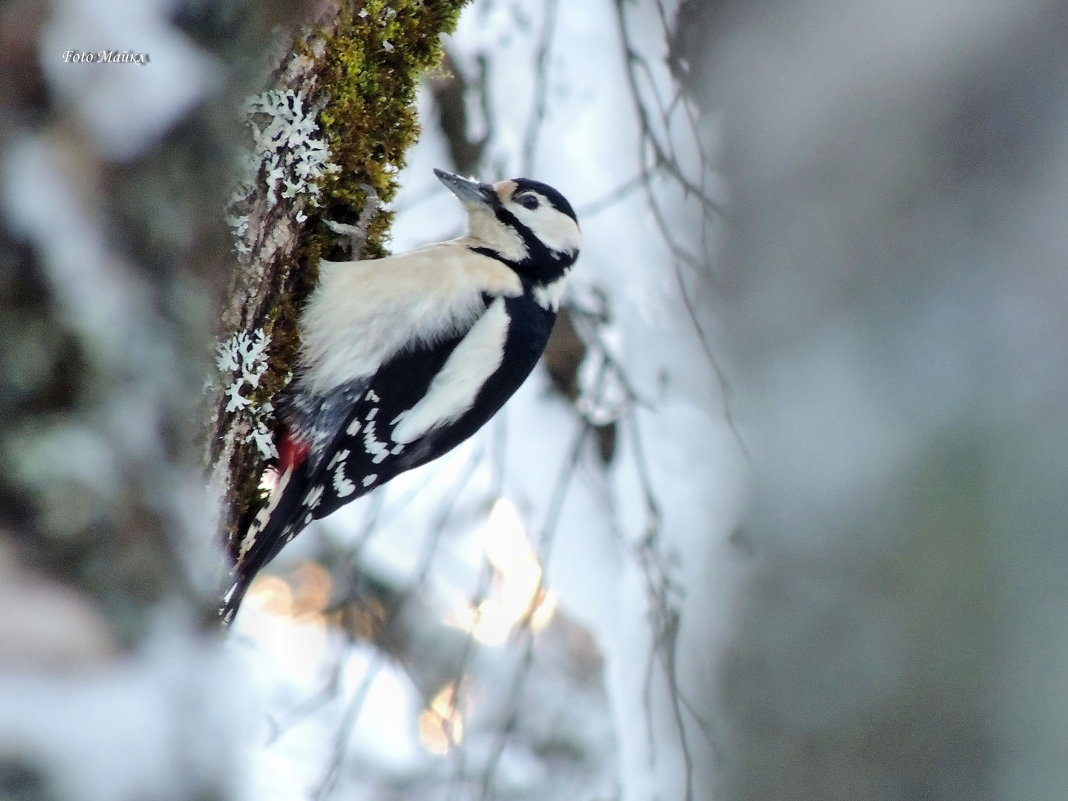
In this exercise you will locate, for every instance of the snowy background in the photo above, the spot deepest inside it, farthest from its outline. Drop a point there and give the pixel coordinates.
(799, 533)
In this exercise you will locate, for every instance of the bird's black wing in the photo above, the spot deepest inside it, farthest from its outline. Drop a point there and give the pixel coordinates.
(348, 432)
(387, 424)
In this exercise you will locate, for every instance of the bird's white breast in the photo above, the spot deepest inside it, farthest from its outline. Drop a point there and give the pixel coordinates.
(362, 313)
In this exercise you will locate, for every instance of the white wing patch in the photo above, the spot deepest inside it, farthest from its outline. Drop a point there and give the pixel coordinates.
(454, 389)
(370, 479)
(340, 456)
(314, 496)
(343, 488)
(376, 448)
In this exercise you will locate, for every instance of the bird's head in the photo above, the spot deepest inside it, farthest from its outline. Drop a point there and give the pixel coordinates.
(523, 222)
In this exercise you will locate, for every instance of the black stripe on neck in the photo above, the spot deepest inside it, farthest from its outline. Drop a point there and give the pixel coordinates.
(493, 254)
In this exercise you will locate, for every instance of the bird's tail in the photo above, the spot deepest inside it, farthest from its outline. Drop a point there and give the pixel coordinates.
(275, 525)
(234, 596)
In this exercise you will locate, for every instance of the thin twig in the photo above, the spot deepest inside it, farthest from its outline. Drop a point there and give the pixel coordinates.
(528, 152)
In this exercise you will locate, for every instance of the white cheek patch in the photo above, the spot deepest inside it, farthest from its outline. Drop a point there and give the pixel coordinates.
(554, 228)
(454, 389)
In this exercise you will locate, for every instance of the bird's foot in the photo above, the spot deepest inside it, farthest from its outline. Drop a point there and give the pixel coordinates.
(355, 236)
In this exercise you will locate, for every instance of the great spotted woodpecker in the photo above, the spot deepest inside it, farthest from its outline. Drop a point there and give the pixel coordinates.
(405, 357)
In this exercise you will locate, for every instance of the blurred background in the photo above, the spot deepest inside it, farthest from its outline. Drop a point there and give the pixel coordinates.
(782, 515)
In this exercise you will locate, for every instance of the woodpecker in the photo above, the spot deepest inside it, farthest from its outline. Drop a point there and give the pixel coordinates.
(405, 357)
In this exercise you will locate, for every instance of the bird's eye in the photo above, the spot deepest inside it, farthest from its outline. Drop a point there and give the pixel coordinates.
(528, 201)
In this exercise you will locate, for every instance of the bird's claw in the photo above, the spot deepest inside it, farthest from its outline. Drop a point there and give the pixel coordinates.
(356, 235)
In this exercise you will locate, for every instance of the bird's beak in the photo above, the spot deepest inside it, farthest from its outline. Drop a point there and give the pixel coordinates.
(467, 191)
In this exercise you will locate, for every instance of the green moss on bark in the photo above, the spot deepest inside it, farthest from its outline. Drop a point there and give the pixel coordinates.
(370, 70)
